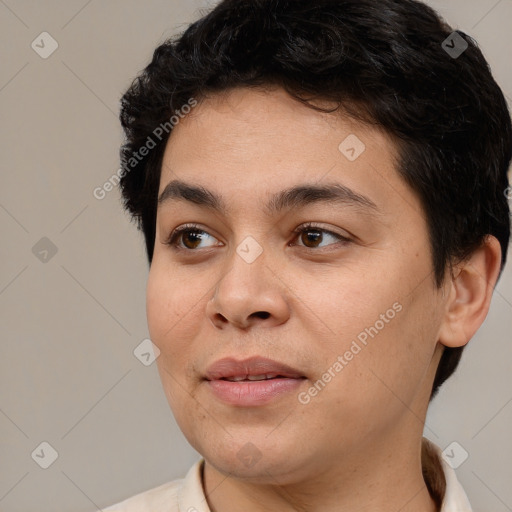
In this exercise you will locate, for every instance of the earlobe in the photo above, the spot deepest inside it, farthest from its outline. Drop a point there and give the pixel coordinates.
(470, 294)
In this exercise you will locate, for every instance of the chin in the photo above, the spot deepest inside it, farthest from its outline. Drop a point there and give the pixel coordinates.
(243, 460)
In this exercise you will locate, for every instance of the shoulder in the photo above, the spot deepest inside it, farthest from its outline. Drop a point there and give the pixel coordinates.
(442, 481)
(168, 497)
(163, 497)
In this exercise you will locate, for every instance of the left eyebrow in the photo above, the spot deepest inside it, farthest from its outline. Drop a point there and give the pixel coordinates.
(292, 198)
(303, 195)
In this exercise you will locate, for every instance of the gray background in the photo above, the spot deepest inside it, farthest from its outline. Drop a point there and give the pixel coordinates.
(70, 324)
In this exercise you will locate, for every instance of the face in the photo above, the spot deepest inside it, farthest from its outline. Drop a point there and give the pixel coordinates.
(329, 292)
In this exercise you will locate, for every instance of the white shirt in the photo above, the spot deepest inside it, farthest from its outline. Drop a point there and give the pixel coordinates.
(187, 495)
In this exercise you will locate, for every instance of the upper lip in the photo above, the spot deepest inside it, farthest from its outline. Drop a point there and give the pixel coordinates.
(230, 367)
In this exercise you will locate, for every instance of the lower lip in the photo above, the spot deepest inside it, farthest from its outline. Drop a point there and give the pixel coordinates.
(251, 393)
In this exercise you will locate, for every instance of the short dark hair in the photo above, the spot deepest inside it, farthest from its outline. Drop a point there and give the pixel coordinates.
(382, 62)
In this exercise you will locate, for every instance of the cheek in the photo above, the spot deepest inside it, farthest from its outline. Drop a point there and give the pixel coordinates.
(397, 358)
(386, 317)
(351, 301)
(171, 310)
(169, 305)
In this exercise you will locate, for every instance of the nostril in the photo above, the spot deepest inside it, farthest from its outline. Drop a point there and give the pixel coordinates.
(262, 314)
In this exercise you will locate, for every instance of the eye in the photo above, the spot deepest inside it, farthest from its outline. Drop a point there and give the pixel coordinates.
(311, 235)
(188, 237)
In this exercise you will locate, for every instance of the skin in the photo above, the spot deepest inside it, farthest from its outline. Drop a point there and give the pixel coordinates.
(356, 444)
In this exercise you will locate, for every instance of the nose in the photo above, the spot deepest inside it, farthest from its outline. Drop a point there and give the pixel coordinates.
(248, 294)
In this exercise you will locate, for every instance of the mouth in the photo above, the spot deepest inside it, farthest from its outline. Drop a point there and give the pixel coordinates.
(252, 382)
(253, 368)
(247, 377)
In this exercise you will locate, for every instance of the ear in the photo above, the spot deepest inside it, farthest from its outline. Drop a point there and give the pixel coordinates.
(469, 294)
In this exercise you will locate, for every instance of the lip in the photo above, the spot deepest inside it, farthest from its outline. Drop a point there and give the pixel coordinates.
(251, 393)
(230, 367)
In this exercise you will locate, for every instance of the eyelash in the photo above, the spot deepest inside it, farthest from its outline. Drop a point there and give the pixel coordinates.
(173, 238)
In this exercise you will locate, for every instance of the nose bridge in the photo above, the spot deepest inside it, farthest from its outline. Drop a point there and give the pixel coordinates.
(246, 276)
(248, 292)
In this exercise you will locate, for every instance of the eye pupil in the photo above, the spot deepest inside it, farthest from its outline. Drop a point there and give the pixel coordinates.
(195, 236)
(316, 236)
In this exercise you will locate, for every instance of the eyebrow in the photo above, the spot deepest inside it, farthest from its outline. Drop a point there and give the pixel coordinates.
(292, 198)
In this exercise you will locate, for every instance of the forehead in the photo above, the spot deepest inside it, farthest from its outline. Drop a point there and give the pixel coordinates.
(258, 120)
(245, 143)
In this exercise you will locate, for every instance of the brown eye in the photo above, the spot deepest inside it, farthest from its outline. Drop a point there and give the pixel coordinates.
(191, 239)
(312, 237)
(188, 238)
